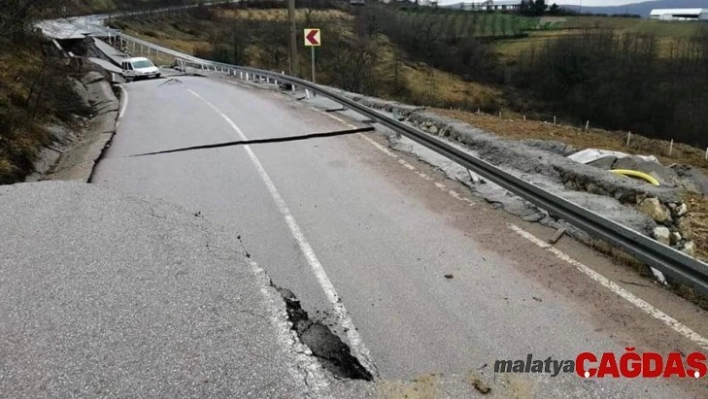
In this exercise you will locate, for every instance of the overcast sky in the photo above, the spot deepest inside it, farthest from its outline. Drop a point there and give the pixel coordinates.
(596, 2)
(570, 2)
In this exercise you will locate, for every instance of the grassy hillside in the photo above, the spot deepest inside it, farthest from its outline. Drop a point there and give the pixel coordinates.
(34, 92)
(351, 58)
(619, 73)
(667, 32)
(34, 89)
(462, 24)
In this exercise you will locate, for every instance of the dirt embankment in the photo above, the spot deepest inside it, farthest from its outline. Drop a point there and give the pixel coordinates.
(79, 157)
(50, 103)
(695, 223)
(74, 148)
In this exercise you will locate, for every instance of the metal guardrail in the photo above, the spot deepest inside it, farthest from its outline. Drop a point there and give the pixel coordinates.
(670, 261)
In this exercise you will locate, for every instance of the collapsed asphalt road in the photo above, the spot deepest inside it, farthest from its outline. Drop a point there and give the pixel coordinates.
(108, 295)
(334, 354)
(365, 242)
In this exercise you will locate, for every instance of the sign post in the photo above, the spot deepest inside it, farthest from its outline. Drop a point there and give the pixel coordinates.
(312, 40)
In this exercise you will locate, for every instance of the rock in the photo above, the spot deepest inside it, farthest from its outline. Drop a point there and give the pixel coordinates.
(625, 197)
(684, 227)
(689, 248)
(667, 177)
(663, 235)
(593, 188)
(557, 147)
(653, 208)
(570, 185)
(81, 91)
(675, 238)
(659, 276)
(533, 217)
(92, 77)
(434, 129)
(692, 179)
(681, 210)
(604, 163)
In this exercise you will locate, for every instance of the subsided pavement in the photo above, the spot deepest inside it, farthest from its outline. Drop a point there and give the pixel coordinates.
(366, 243)
(108, 295)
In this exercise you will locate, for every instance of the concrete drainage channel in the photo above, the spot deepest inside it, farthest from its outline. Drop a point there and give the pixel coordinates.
(333, 354)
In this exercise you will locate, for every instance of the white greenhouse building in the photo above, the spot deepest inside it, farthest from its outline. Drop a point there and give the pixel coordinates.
(680, 14)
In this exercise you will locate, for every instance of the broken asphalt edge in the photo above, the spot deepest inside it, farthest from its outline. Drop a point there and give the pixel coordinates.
(79, 161)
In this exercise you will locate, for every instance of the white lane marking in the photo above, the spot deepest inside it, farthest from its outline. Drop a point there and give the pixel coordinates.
(612, 286)
(314, 379)
(125, 102)
(355, 341)
(402, 161)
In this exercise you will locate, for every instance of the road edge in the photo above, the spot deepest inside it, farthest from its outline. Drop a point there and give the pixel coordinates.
(79, 161)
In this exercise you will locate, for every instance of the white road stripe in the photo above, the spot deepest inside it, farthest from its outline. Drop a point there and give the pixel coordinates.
(355, 341)
(314, 381)
(612, 286)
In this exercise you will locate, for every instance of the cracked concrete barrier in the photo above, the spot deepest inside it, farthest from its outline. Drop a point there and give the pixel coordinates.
(109, 295)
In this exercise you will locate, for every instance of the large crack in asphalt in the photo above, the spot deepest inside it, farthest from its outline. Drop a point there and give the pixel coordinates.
(326, 346)
(262, 141)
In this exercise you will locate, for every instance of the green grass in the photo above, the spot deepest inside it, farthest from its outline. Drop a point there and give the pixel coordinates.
(463, 24)
(667, 32)
(420, 83)
(673, 29)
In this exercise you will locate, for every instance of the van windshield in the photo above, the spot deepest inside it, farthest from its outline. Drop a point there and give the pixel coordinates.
(142, 64)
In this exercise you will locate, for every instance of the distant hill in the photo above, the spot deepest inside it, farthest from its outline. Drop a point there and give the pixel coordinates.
(643, 9)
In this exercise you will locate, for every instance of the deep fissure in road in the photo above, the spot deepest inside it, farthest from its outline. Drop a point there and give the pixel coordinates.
(263, 141)
(328, 348)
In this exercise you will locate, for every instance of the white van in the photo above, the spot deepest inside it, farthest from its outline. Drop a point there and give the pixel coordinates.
(139, 68)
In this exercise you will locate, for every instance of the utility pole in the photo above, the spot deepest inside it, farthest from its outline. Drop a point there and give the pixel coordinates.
(294, 69)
